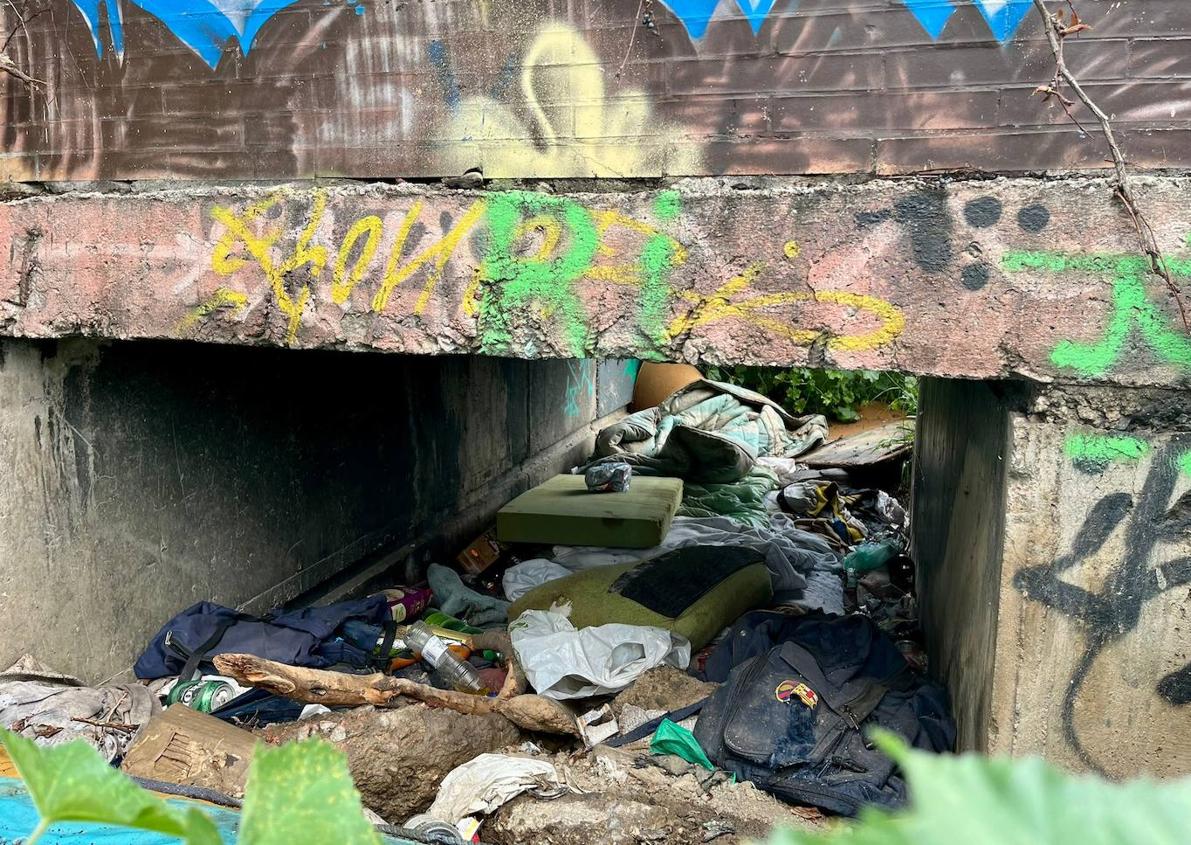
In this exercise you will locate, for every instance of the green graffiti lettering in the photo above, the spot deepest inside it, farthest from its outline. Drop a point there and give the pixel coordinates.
(1132, 311)
(1185, 462)
(544, 281)
(1103, 450)
(658, 258)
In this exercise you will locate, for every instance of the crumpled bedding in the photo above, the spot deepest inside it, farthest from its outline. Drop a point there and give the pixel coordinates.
(43, 705)
(804, 569)
(708, 433)
(743, 501)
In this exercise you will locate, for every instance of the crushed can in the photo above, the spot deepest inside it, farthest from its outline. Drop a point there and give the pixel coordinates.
(205, 695)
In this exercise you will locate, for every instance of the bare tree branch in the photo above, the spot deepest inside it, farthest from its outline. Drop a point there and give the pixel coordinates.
(1057, 30)
(8, 66)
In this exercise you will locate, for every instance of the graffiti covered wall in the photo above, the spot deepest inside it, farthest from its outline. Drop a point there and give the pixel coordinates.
(541, 88)
(1095, 588)
(976, 279)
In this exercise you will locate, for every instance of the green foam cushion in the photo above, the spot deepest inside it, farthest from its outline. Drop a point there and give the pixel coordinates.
(562, 511)
(694, 591)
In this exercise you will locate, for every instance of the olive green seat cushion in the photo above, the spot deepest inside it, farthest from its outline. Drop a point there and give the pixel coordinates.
(695, 591)
(563, 511)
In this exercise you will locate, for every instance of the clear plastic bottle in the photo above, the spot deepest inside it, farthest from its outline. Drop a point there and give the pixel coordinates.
(456, 672)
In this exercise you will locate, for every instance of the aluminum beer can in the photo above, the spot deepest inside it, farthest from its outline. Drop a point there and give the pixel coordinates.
(203, 696)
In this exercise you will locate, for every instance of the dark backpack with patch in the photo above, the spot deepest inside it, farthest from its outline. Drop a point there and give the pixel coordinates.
(793, 713)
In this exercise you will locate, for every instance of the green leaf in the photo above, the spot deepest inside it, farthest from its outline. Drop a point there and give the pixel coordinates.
(975, 800)
(72, 783)
(302, 794)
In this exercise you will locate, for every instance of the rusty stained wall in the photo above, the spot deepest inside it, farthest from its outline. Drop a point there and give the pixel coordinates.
(1094, 636)
(544, 88)
(978, 279)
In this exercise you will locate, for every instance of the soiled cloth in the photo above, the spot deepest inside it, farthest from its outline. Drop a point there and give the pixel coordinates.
(484, 784)
(43, 705)
(455, 598)
(792, 556)
(708, 433)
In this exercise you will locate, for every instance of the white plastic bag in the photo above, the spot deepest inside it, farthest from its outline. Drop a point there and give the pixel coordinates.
(520, 579)
(562, 662)
(488, 782)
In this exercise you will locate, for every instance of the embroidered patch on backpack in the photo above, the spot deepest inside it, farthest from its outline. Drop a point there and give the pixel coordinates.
(787, 690)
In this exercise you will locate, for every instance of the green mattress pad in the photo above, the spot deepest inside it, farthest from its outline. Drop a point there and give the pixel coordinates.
(695, 591)
(562, 511)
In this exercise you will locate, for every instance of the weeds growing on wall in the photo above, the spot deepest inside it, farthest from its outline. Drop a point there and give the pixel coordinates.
(837, 394)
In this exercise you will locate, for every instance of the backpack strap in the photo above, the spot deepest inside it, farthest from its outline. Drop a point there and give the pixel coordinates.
(652, 725)
(190, 669)
(386, 645)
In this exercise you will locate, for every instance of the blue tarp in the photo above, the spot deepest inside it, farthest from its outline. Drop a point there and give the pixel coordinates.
(18, 818)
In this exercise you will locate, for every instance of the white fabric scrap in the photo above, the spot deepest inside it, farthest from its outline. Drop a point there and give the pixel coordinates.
(520, 579)
(562, 662)
(487, 783)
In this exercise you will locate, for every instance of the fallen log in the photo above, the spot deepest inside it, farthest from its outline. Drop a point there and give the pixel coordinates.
(339, 689)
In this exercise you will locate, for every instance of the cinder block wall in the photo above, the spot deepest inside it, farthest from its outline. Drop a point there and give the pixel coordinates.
(141, 477)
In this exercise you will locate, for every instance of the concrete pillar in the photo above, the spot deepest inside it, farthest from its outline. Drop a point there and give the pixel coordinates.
(1053, 529)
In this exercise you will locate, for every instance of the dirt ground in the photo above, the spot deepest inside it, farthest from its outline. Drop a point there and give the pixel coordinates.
(623, 796)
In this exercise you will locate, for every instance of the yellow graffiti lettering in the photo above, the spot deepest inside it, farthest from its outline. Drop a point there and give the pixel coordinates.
(718, 307)
(628, 273)
(440, 252)
(260, 247)
(343, 282)
(222, 298)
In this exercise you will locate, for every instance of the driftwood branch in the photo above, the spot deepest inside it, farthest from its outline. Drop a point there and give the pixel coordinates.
(1058, 29)
(339, 689)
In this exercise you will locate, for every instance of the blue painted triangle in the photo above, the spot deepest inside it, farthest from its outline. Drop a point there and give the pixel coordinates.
(932, 14)
(756, 11)
(1004, 16)
(694, 14)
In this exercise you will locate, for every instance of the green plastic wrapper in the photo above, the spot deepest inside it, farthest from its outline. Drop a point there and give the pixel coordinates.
(671, 738)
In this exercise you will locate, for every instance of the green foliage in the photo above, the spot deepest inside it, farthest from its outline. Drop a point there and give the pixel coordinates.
(72, 783)
(298, 794)
(303, 792)
(975, 800)
(836, 394)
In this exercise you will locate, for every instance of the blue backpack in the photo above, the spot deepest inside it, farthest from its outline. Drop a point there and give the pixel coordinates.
(307, 637)
(798, 696)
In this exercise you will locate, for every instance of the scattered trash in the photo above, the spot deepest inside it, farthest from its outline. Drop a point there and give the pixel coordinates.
(563, 662)
(407, 603)
(458, 674)
(455, 598)
(51, 708)
(520, 579)
(597, 725)
(489, 781)
(186, 747)
(206, 694)
(611, 477)
(435, 830)
(484, 551)
(675, 739)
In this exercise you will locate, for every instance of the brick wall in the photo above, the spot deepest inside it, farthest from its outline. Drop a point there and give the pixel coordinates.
(546, 88)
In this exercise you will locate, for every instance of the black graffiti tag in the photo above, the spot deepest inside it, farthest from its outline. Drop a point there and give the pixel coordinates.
(1114, 612)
